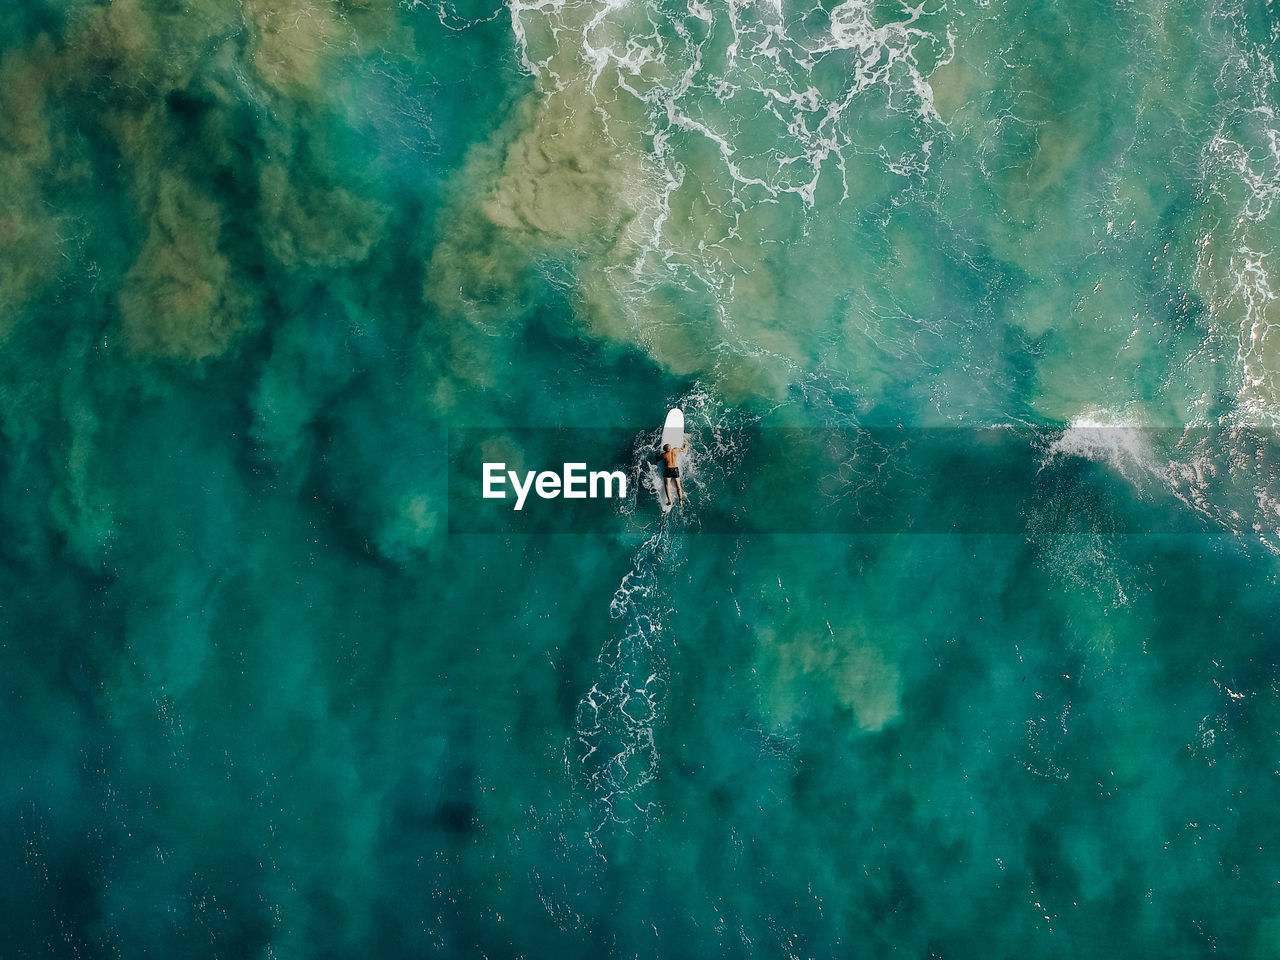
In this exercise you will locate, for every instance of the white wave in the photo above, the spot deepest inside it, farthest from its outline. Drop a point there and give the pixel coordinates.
(1228, 471)
(1104, 437)
(688, 74)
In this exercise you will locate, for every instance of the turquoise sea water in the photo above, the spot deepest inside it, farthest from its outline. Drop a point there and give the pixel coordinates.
(261, 694)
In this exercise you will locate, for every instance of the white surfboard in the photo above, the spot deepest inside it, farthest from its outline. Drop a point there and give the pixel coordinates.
(673, 429)
(672, 435)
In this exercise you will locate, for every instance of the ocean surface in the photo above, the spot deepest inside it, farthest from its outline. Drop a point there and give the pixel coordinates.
(966, 643)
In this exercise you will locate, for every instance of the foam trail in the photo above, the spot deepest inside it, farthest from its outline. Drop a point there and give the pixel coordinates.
(614, 751)
(615, 746)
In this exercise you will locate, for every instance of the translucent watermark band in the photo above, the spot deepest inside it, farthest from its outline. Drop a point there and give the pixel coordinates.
(890, 480)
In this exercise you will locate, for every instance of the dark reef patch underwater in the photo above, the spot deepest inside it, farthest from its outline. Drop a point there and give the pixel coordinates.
(262, 699)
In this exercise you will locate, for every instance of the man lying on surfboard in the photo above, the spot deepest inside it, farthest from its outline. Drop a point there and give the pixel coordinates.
(670, 471)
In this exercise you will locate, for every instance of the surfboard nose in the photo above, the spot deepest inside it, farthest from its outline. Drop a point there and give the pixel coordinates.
(673, 429)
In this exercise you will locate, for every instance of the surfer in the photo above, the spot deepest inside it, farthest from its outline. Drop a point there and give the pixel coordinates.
(670, 471)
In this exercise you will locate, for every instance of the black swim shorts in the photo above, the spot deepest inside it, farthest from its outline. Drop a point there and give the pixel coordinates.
(671, 473)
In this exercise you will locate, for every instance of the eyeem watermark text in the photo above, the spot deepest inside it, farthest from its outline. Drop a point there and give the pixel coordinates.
(573, 483)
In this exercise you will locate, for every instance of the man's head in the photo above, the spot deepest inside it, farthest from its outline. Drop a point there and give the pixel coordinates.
(666, 448)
